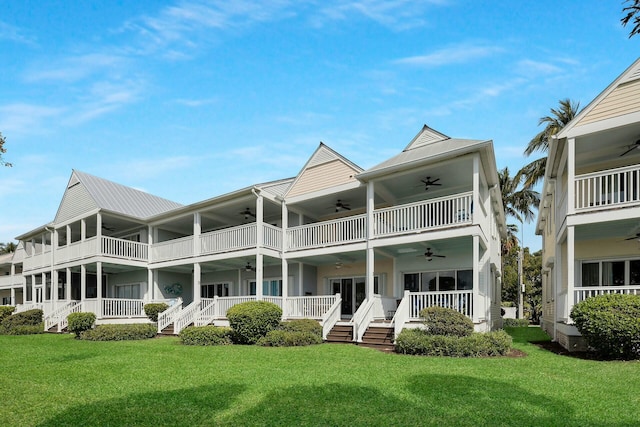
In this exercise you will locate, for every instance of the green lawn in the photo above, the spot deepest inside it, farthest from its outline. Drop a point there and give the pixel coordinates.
(54, 380)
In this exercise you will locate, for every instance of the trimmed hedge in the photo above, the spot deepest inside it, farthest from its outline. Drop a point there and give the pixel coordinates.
(610, 324)
(206, 335)
(515, 323)
(120, 332)
(152, 310)
(283, 338)
(446, 321)
(22, 323)
(418, 341)
(80, 322)
(252, 320)
(6, 311)
(302, 325)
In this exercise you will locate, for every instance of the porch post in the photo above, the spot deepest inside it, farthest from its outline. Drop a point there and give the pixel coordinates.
(301, 279)
(83, 229)
(98, 234)
(476, 277)
(150, 241)
(259, 276)
(99, 280)
(13, 296)
(570, 263)
(67, 287)
(283, 260)
(571, 174)
(151, 286)
(197, 230)
(54, 287)
(83, 282)
(370, 256)
(196, 281)
(68, 231)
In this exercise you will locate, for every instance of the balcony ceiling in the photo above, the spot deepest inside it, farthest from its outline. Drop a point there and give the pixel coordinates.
(606, 147)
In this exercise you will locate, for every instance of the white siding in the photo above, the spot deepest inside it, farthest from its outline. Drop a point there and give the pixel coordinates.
(622, 100)
(75, 202)
(323, 176)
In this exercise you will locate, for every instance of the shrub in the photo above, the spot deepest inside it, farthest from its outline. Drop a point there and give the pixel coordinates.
(205, 335)
(80, 322)
(419, 341)
(152, 310)
(122, 332)
(302, 325)
(26, 329)
(6, 311)
(515, 323)
(284, 338)
(446, 321)
(252, 320)
(25, 318)
(610, 324)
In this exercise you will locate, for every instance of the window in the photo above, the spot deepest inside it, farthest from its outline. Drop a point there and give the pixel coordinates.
(129, 291)
(215, 289)
(433, 281)
(610, 273)
(270, 287)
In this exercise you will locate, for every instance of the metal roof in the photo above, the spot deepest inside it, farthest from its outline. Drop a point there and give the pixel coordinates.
(124, 200)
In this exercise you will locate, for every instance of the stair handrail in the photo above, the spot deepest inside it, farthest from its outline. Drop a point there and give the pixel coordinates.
(331, 317)
(64, 320)
(54, 317)
(402, 315)
(207, 312)
(168, 316)
(187, 316)
(366, 316)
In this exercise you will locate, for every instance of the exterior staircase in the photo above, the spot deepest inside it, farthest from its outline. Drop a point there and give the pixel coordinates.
(379, 337)
(341, 333)
(167, 331)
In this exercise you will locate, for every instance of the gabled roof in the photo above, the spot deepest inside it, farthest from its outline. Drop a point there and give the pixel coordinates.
(428, 145)
(619, 98)
(278, 188)
(324, 156)
(118, 198)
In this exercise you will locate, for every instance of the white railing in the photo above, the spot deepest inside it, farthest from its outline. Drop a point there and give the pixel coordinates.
(207, 311)
(172, 249)
(64, 320)
(606, 188)
(402, 314)
(461, 301)
(331, 316)
(272, 237)
(228, 239)
(122, 307)
(187, 316)
(53, 318)
(28, 306)
(225, 303)
(327, 233)
(362, 317)
(36, 261)
(275, 300)
(312, 307)
(426, 214)
(121, 248)
(11, 281)
(168, 316)
(581, 294)
(76, 250)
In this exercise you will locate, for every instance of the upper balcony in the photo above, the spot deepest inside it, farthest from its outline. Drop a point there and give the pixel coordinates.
(608, 188)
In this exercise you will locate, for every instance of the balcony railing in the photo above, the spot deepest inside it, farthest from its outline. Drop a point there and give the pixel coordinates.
(461, 301)
(272, 237)
(127, 249)
(312, 307)
(423, 215)
(172, 249)
(10, 281)
(328, 233)
(228, 239)
(612, 187)
(580, 294)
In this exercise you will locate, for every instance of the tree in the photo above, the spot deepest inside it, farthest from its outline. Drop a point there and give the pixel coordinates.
(2, 151)
(7, 248)
(518, 202)
(633, 15)
(534, 171)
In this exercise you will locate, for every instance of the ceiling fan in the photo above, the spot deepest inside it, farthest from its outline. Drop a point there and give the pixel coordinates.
(428, 182)
(248, 267)
(107, 228)
(247, 213)
(631, 147)
(342, 206)
(429, 255)
(636, 237)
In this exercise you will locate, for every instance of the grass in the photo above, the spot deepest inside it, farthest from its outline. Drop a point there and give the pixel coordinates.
(54, 380)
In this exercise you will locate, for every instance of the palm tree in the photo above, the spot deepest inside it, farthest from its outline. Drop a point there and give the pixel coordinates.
(633, 11)
(534, 171)
(7, 248)
(518, 202)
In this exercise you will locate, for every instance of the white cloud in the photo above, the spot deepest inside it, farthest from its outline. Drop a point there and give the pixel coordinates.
(15, 34)
(103, 98)
(75, 68)
(26, 118)
(535, 68)
(196, 102)
(452, 55)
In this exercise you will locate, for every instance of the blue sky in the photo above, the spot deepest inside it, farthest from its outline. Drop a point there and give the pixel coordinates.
(192, 99)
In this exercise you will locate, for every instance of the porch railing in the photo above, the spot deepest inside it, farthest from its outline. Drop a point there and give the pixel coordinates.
(606, 188)
(228, 239)
(581, 294)
(53, 318)
(223, 304)
(426, 214)
(172, 249)
(328, 233)
(28, 306)
(187, 316)
(272, 237)
(121, 248)
(331, 316)
(402, 314)
(207, 311)
(461, 301)
(311, 307)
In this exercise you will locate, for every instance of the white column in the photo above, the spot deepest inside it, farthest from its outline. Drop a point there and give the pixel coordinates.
(43, 278)
(150, 240)
(285, 286)
(476, 188)
(197, 230)
(370, 256)
(68, 231)
(99, 279)
(301, 279)
(476, 277)
(570, 263)
(197, 277)
(260, 242)
(54, 287)
(151, 288)
(83, 229)
(571, 174)
(67, 287)
(13, 297)
(99, 233)
(259, 275)
(83, 282)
